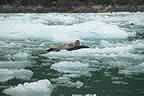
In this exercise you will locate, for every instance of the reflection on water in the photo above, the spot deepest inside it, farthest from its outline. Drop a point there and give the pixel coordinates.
(111, 67)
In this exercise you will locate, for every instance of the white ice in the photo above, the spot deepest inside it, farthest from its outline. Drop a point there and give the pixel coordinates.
(7, 74)
(73, 68)
(122, 57)
(14, 64)
(131, 70)
(93, 28)
(65, 81)
(38, 88)
(107, 51)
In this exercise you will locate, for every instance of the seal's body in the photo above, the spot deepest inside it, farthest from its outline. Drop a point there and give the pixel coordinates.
(69, 46)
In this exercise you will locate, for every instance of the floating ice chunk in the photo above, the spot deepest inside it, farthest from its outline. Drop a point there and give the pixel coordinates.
(104, 43)
(65, 81)
(2, 43)
(14, 64)
(120, 57)
(21, 56)
(60, 19)
(6, 74)
(138, 43)
(99, 29)
(71, 67)
(87, 29)
(138, 47)
(117, 51)
(139, 68)
(39, 88)
(23, 74)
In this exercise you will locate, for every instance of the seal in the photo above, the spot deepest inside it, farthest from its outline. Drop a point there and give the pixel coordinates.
(68, 46)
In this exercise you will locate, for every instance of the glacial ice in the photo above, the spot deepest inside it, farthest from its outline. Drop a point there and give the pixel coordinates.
(7, 74)
(90, 27)
(71, 67)
(38, 88)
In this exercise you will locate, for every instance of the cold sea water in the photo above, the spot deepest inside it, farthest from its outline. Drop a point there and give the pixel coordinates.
(112, 66)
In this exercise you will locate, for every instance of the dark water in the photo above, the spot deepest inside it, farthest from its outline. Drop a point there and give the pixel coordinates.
(111, 67)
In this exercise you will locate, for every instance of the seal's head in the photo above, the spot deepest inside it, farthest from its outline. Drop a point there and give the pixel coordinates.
(77, 43)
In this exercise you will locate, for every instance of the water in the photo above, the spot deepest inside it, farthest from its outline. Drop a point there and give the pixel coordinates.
(112, 66)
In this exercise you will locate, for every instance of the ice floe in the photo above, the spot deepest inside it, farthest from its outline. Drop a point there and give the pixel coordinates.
(131, 70)
(107, 51)
(70, 67)
(39, 88)
(7, 74)
(90, 29)
(65, 81)
(120, 56)
(14, 64)
(75, 68)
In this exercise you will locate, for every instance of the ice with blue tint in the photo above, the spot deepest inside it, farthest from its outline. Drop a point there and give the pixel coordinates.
(75, 68)
(95, 29)
(7, 74)
(38, 88)
(112, 58)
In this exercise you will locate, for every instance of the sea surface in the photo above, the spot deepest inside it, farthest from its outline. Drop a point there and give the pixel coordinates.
(112, 66)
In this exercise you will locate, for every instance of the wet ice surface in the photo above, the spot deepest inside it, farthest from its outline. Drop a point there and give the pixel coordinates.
(39, 88)
(7, 74)
(113, 64)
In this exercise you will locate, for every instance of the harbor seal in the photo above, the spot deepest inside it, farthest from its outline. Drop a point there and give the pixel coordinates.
(68, 46)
